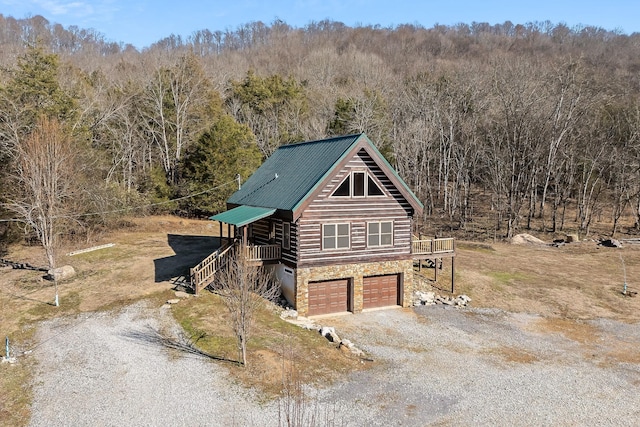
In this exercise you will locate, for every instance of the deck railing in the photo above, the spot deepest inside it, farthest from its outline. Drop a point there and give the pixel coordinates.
(202, 274)
(432, 246)
(263, 253)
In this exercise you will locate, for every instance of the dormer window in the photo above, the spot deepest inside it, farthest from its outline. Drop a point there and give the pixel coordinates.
(358, 184)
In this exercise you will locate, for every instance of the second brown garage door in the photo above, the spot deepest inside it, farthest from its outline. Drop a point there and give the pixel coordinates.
(380, 291)
(330, 296)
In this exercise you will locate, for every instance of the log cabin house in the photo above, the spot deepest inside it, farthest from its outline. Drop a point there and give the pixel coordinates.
(333, 220)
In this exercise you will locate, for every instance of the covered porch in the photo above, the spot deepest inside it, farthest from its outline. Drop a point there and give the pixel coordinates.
(238, 221)
(238, 238)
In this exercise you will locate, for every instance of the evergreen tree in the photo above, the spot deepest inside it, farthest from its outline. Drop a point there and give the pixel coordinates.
(212, 163)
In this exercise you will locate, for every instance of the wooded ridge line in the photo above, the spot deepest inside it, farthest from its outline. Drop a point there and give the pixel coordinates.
(524, 126)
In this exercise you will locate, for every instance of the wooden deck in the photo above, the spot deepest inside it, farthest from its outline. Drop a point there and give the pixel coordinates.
(433, 248)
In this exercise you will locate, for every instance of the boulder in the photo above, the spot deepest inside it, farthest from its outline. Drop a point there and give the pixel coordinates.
(346, 343)
(61, 273)
(611, 243)
(426, 297)
(289, 314)
(524, 238)
(572, 238)
(181, 294)
(445, 300)
(464, 298)
(173, 301)
(329, 333)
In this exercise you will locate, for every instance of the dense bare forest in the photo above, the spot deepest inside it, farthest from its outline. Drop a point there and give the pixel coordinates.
(538, 124)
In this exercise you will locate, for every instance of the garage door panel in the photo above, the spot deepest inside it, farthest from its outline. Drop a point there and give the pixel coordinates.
(330, 296)
(381, 291)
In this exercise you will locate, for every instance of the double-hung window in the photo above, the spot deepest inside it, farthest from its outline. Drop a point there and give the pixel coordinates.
(335, 236)
(380, 233)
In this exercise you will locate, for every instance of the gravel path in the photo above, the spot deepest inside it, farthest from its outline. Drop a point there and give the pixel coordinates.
(111, 370)
(436, 366)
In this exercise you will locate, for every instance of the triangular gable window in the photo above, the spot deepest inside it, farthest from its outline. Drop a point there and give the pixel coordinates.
(356, 185)
(344, 190)
(372, 188)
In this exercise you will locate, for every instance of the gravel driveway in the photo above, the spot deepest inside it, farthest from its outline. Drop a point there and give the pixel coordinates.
(436, 366)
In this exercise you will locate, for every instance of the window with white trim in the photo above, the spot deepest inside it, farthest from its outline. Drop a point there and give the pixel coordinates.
(380, 233)
(335, 236)
(358, 184)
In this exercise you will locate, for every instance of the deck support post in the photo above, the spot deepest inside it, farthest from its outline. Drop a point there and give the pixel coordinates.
(193, 283)
(453, 274)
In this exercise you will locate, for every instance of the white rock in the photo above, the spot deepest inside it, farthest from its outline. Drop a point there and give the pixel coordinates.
(173, 301)
(324, 330)
(289, 314)
(62, 273)
(329, 333)
(427, 296)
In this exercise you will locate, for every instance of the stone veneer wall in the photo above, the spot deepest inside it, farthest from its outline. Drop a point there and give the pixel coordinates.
(355, 272)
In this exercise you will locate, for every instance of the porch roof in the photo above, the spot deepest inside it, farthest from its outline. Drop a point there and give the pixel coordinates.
(243, 215)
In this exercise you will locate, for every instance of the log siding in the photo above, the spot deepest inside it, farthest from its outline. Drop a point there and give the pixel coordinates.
(358, 212)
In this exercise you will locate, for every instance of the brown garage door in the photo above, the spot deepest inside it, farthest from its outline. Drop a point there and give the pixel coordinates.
(331, 296)
(380, 291)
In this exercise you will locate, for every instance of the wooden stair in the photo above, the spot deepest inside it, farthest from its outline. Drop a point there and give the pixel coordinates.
(202, 274)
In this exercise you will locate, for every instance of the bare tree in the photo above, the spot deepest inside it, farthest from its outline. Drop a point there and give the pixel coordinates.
(244, 287)
(43, 177)
(178, 103)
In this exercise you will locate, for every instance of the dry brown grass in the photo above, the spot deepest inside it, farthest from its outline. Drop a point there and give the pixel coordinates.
(576, 281)
(565, 285)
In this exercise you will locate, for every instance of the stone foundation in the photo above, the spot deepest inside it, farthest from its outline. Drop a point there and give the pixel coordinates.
(354, 272)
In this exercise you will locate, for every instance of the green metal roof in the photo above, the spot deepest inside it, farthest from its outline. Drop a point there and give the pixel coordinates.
(287, 177)
(243, 215)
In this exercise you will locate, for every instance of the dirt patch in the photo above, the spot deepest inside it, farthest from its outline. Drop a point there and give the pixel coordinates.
(512, 354)
(580, 332)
